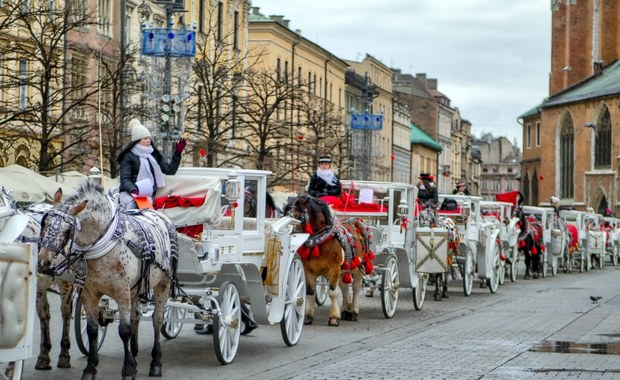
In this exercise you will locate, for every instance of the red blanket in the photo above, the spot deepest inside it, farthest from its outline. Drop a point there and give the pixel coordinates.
(178, 201)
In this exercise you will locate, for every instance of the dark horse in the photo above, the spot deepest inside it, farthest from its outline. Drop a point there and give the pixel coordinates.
(250, 206)
(530, 243)
(337, 250)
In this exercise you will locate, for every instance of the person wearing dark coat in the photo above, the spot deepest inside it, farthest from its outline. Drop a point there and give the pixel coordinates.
(142, 166)
(324, 181)
(427, 192)
(460, 189)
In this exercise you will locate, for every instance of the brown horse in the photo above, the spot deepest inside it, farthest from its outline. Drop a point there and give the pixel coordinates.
(339, 251)
(30, 234)
(112, 253)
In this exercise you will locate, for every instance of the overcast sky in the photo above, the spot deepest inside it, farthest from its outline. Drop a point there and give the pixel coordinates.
(490, 57)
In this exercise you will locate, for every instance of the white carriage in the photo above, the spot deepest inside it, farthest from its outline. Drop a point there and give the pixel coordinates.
(544, 218)
(235, 260)
(612, 226)
(508, 235)
(387, 210)
(18, 281)
(578, 220)
(596, 242)
(479, 250)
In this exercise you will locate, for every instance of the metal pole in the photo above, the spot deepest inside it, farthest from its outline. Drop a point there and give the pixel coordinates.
(167, 142)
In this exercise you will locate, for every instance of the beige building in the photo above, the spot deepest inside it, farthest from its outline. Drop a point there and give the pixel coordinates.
(312, 124)
(380, 76)
(461, 152)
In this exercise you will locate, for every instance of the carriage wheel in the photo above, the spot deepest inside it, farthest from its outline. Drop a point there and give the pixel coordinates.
(493, 282)
(79, 326)
(389, 287)
(292, 322)
(513, 264)
(468, 273)
(227, 323)
(419, 292)
(554, 265)
(601, 261)
(614, 256)
(544, 264)
(502, 272)
(582, 261)
(171, 329)
(320, 290)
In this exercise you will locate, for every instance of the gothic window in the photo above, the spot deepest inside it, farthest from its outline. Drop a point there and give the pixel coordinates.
(567, 157)
(534, 197)
(602, 147)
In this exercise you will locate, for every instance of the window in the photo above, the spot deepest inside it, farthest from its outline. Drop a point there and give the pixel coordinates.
(299, 76)
(538, 133)
(567, 153)
(220, 20)
(23, 84)
(79, 9)
(529, 136)
(78, 86)
(278, 69)
(236, 30)
(25, 7)
(103, 17)
(485, 186)
(509, 185)
(602, 144)
(201, 16)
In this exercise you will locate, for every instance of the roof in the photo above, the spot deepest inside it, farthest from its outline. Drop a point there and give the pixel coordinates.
(604, 84)
(420, 138)
(531, 112)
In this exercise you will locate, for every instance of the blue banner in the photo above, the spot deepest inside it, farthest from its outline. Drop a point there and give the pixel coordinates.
(164, 42)
(367, 122)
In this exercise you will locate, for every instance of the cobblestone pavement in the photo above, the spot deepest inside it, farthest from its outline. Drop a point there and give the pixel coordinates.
(484, 336)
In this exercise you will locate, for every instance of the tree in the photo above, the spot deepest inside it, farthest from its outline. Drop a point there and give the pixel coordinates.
(45, 97)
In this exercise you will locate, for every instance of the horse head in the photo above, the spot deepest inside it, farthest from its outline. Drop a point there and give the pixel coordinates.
(312, 212)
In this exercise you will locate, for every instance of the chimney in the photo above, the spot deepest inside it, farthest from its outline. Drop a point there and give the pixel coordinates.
(431, 84)
(255, 11)
(422, 78)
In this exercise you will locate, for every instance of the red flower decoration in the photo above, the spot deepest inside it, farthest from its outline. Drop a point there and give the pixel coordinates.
(392, 157)
(541, 178)
(203, 152)
(234, 205)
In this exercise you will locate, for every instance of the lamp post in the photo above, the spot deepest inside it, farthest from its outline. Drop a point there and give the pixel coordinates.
(295, 43)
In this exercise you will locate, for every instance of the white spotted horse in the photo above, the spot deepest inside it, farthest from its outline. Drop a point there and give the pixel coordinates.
(113, 252)
(30, 234)
(337, 250)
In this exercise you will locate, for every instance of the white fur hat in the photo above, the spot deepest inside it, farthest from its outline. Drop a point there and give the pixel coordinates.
(138, 131)
(554, 200)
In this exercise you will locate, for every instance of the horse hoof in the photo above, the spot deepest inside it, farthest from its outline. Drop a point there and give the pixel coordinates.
(445, 295)
(155, 371)
(127, 378)
(308, 320)
(333, 321)
(437, 297)
(345, 315)
(535, 276)
(89, 376)
(64, 362)
(370, 293)
(353, 317)
(43, 364)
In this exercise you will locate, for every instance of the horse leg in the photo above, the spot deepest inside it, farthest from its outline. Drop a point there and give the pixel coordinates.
(91, 307)
(66, 309)
(528, 263)
(125, 332)
(161, 297)
(444, 288)
(43, 312)
(135, 321)
(334, 310)
(437, 280)
(310, 297)
(357, 289)
(345, 309)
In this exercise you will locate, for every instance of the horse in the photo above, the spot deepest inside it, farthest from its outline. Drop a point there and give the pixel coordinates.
(337, 250)
(114, 252)
(530, 243)
(250, 205)
(30, 234)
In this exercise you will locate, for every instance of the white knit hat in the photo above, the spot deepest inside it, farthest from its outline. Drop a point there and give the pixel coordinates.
(138, 131)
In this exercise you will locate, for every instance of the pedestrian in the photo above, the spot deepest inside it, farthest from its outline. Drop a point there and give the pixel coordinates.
(324, 181)
(427, 192)
(142, 166)
(555, 203)
(460, 189)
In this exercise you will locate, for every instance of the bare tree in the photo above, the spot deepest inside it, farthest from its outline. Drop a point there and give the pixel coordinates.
(42, 91)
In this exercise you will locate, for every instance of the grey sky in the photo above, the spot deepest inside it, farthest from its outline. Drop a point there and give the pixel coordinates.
(490, 57)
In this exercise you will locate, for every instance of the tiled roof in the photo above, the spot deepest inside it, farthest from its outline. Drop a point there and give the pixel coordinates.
(531, 112)
(419, 137)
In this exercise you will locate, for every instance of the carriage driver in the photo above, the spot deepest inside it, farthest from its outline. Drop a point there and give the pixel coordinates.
(324, 181)
(427, 192)
(142, 166)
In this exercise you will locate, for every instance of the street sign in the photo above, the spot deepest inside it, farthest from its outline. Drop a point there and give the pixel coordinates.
(366, 122)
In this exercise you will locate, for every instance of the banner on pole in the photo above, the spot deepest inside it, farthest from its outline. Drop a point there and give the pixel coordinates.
(163, 42)
(366, 122)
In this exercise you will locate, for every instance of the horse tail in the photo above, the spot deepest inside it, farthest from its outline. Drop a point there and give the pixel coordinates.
(174, 254)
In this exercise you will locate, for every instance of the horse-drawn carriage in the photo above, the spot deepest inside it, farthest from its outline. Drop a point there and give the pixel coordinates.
(542, 221)
(576, 222)
(387, 212)
(596, 242)
(478, 252)
(508, 234)
(612, 226)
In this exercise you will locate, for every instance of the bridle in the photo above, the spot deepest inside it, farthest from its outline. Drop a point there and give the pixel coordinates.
(50, 241)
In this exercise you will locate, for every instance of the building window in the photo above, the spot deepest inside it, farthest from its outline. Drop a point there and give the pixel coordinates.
(25, 6)
(529, 136)
(236, 30)
(278, 70)
(78, 86)
(220, 20)
(526, 189)
(485, 187)
(23, 84)
(602, 147)
(567, 154)
(201, 16)
(509, 185)
(104, 17)
(538, 133)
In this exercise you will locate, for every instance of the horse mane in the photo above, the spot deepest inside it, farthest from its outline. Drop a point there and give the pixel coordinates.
(318, 206)
(87, 190)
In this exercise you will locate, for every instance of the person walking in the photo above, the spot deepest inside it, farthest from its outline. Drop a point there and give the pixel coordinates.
(142, 166)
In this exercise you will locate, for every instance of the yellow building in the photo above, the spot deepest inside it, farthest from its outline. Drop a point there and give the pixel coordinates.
(312, 120)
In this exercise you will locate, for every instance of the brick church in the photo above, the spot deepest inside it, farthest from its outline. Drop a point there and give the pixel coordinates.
(571, 141)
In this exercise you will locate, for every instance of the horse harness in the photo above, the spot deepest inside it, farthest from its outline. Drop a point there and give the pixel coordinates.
(144, 247)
